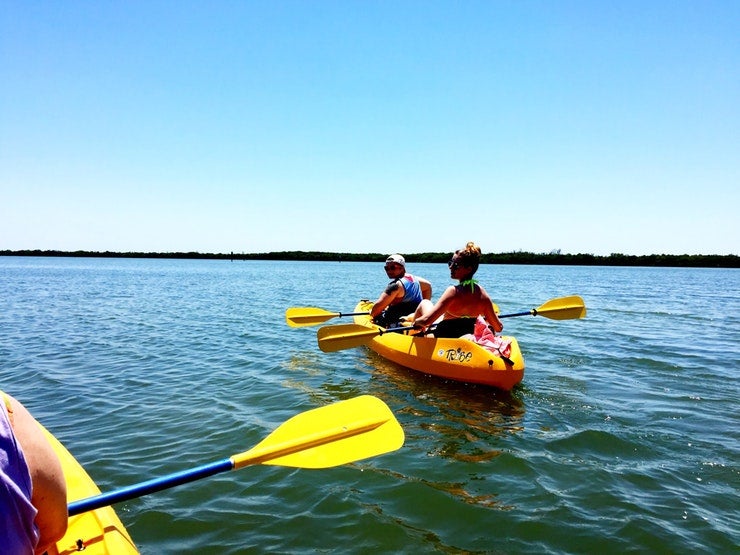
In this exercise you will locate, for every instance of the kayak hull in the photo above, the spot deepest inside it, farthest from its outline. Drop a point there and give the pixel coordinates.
(451, 358)
(97, 532)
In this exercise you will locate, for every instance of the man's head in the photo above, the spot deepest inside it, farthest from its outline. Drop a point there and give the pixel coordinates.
(395, 265)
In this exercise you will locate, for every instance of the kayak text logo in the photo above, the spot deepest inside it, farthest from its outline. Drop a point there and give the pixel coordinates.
(453, 355)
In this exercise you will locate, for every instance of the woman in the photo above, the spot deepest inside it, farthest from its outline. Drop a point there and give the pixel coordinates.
(461, 304)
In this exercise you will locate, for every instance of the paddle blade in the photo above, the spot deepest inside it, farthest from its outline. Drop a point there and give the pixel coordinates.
(564, 308)
(329, 436)
(344, 336)
(297, 317)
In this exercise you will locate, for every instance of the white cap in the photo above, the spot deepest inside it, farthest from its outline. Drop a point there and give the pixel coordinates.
(397, 258)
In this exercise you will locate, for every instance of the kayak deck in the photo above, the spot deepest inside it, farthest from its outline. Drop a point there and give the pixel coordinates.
(96, 532)
(451, 358)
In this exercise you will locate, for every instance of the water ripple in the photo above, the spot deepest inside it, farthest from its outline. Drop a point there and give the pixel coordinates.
(623, 436)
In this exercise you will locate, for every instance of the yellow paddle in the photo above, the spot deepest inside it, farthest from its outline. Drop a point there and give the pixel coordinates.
(563, 308)
(329, 436)
(299, 316)
(348, 336)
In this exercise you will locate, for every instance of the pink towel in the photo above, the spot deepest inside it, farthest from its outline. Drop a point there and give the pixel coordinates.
(485, 337)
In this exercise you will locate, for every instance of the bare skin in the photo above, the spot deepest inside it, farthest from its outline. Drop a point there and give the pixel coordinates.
(459, 301)
(49, 486)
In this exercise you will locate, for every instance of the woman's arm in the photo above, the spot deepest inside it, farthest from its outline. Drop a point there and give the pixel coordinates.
(488, 313)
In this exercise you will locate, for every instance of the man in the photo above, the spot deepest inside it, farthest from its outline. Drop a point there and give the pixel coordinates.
(401, 296)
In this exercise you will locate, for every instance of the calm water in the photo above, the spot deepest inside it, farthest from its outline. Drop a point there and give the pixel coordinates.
(623, 437)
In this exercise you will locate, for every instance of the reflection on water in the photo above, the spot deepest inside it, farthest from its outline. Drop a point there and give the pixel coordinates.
(444, 420)
(474, 407)
(450, 421)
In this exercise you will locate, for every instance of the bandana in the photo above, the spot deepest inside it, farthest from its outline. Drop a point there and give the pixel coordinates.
(470, 282)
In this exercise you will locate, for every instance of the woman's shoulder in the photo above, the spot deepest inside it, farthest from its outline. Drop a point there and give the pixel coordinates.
(483, 293)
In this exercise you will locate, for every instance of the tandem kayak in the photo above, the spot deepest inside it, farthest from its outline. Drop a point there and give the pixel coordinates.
(96, 532)
(455, 359)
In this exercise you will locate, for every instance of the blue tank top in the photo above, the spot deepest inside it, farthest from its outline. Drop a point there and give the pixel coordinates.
(412, 289)
(407, 304)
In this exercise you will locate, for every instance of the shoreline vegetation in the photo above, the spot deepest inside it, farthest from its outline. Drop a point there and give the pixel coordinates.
(553, 258)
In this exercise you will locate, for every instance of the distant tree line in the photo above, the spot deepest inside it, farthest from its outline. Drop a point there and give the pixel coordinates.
(518, 257)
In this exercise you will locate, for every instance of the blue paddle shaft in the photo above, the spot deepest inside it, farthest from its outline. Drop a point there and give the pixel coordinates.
(150, 486)
(528, 313)
(532, 312)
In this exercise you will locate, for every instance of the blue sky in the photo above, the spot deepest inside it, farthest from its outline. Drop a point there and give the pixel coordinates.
(586, 126)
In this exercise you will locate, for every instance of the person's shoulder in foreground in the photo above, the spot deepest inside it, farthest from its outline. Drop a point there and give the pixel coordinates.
(33, 492)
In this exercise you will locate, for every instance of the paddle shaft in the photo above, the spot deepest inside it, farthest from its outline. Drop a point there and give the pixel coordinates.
(150, 486)
(336, 338)
(545, 308)
(343, 432)
(532, 312)
(254, 456)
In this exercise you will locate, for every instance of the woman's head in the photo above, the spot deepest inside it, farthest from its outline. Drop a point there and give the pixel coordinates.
(466, 260)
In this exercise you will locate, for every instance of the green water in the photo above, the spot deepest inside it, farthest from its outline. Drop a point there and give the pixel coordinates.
(622, 437)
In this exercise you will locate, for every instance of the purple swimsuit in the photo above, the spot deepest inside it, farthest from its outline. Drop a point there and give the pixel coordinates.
(18, 531)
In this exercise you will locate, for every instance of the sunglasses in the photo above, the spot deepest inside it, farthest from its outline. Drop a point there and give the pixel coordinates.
(453, 265)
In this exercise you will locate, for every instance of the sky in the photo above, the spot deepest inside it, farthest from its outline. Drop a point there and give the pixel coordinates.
(370, 126)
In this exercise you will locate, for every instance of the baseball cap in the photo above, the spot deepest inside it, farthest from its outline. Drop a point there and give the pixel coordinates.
(397, 258)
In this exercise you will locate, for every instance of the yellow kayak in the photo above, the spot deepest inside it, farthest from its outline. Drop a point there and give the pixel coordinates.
(455, 359)
(95, 532)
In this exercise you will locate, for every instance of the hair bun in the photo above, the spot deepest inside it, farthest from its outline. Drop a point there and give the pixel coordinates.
(472, 248)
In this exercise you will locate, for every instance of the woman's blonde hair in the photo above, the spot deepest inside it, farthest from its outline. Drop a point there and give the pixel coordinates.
(469, 256)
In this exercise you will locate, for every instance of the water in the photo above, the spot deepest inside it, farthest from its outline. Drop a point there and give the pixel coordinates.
(623, 436)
